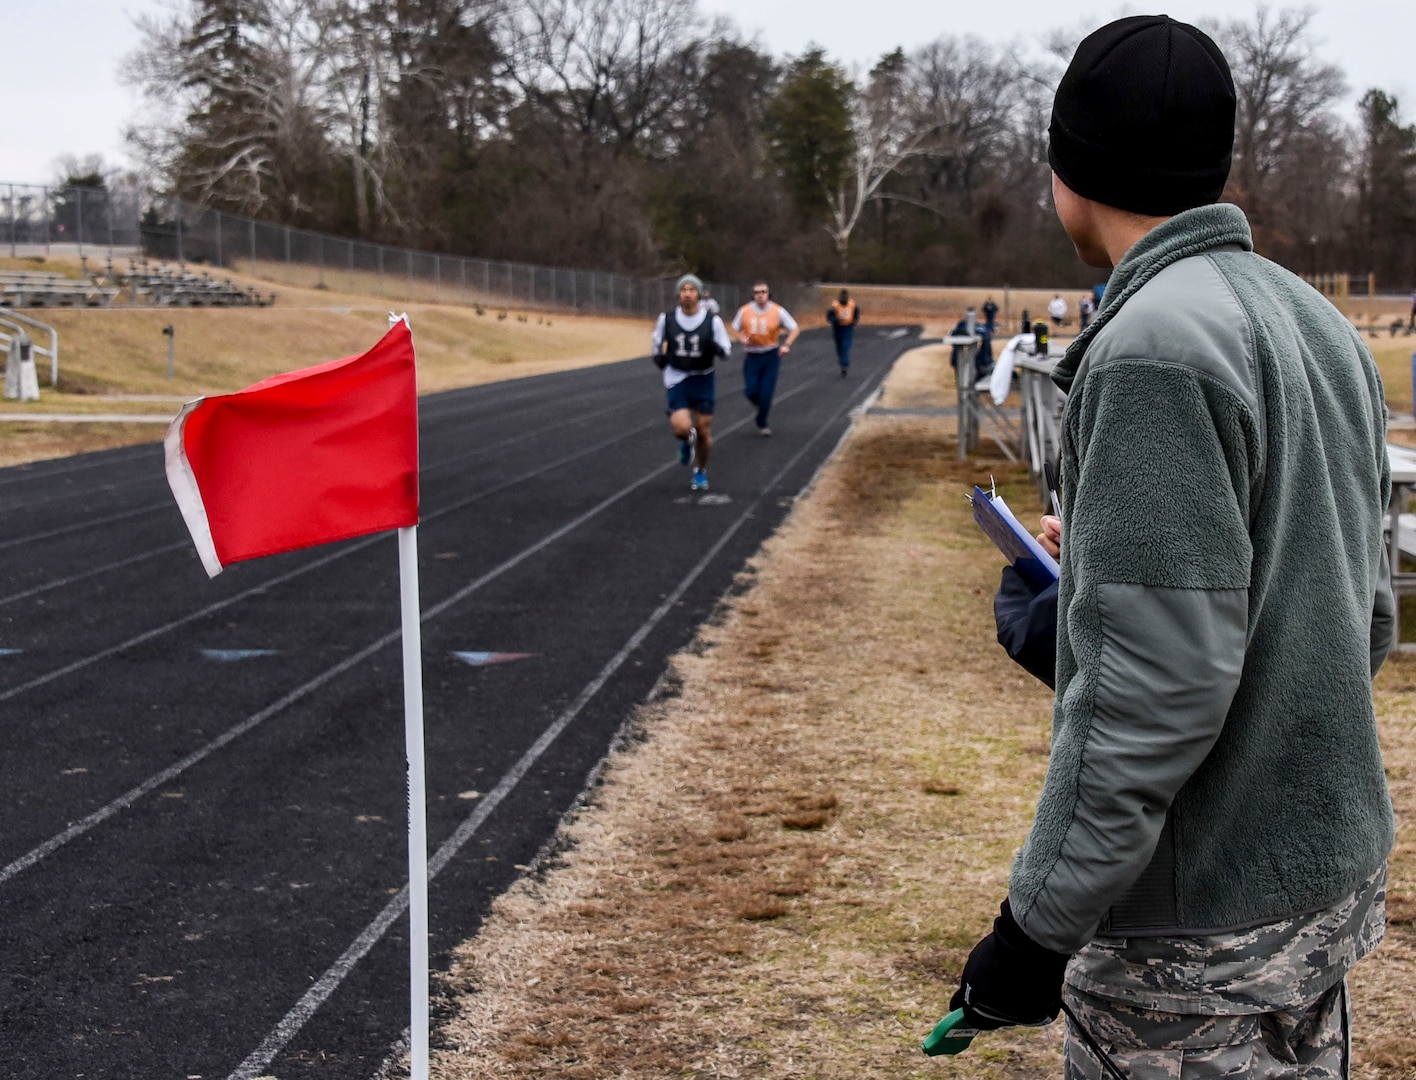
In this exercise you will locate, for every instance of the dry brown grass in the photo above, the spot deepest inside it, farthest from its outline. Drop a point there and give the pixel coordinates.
(940, 307)
(1393, 356)
(692, 927)
(121, 351)
(894, 303)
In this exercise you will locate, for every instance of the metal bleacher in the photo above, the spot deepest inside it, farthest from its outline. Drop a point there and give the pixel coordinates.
(34, 289)
(143, 284)
(161, 285)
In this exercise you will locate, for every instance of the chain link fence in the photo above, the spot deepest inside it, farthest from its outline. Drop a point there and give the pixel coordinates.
(92, 219)
(121, 224)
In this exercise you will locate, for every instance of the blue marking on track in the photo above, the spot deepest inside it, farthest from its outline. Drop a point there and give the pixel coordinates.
(11, 652)
(480, 659)
(228, 656)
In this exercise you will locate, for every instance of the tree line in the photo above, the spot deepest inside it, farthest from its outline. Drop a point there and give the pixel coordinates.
(642, 137)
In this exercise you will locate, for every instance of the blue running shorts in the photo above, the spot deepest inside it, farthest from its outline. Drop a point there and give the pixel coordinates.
(695, 392)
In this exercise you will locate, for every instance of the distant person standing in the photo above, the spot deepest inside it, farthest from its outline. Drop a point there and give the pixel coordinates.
(983, 358)
(710, 305)
(843, 316)
(1085, 309)
(990, 316)
(1058, 310)
(686, 343)
(759, 326)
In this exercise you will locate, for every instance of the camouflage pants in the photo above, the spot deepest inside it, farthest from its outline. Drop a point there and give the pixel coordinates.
(1309, 1042)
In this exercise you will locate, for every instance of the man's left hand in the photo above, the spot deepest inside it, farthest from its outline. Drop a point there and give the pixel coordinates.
(1010, 979)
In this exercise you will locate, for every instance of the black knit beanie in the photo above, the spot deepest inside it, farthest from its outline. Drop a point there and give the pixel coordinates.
(1144, 117)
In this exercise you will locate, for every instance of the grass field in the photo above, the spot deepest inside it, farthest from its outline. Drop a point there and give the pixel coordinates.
(783, 871)
(108, 356)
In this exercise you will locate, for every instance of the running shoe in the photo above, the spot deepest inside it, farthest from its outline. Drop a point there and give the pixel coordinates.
(843, 371)
(764, 431)
(700, 480)
(686, 447)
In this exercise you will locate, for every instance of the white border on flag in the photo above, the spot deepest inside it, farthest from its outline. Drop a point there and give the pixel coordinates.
(183, 483)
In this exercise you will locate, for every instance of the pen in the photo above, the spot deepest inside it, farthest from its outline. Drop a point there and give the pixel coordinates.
(1052, 489)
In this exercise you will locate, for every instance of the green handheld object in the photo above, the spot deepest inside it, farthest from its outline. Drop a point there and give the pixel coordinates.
(949, 1036)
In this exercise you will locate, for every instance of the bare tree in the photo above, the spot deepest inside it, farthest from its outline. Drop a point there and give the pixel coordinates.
(969, 96)
(609, 69)
(1284, 96)
(354, 41)
(237, 88)
(889, 127)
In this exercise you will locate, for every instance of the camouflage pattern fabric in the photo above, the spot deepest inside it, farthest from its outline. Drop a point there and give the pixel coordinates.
(1280, 965)
(1311, 1042)
(1264, 1003)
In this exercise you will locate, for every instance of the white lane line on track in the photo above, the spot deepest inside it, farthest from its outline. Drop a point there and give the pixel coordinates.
(72, 578)
(534, 433)
(289, 1026)
(150, 507)
(37, 470)
(102, 489)
(427, 437)
(349, 549)
(155, 552)
(127, 799)
(34, 538)
(177, 768)
(451, 401)
(523, 386)
(255, 590)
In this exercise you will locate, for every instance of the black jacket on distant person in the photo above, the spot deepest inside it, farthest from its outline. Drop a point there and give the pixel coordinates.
(1027, 624)
(983, 362)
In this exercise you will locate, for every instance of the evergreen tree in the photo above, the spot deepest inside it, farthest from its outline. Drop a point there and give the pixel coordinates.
(227, 157)
(1387, 189)
(809, 121)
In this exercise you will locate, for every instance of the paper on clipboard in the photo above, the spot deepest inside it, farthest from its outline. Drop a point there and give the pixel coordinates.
(1011, 538)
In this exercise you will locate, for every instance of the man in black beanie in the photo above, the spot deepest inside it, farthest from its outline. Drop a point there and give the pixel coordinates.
(1208, 857)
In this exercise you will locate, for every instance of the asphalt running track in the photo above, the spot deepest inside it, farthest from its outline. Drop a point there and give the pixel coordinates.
(202, 857)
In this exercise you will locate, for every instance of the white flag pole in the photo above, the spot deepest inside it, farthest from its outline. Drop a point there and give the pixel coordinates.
(417, 804)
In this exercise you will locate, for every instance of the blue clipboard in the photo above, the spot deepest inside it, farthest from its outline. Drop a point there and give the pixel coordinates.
(1011, 538)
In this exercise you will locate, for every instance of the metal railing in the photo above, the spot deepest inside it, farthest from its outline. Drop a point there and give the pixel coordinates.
(12, 320)
(90, 221)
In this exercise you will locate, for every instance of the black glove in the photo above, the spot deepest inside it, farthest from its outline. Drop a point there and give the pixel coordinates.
(660, 361)
(1010, 979)
(1027, 624)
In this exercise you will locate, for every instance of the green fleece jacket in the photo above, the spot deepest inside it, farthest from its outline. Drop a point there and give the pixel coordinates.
(1224, 603)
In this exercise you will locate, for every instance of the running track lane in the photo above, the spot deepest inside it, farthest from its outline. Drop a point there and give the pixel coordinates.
(242, 913)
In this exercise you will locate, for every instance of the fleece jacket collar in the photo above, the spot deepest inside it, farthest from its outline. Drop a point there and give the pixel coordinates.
(1190, 232)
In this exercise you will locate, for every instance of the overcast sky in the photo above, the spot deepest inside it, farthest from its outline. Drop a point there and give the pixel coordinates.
(63, 95)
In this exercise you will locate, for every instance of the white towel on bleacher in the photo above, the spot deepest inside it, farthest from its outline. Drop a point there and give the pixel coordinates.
(1002, 381)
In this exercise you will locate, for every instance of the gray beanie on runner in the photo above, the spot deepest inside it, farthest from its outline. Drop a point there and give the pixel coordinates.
(690, 279)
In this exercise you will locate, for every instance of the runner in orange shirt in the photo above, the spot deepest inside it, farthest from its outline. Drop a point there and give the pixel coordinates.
(843, 315)
(759, 326)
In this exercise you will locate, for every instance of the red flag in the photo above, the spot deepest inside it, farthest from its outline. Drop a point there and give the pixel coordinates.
(299, 459)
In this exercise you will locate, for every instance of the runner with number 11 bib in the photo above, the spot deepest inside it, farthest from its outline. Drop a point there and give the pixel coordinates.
(686, 343)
